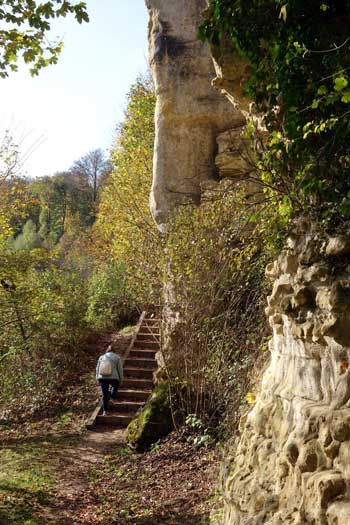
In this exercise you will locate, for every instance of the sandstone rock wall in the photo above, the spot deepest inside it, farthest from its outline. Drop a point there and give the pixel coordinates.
(292, 462)
(292, 465)
(232, 72)
(190, 112)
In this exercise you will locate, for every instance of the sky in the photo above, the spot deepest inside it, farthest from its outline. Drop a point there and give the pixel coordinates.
(74, 106)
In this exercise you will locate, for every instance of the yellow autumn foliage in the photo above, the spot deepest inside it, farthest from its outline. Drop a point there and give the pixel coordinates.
(125, 229)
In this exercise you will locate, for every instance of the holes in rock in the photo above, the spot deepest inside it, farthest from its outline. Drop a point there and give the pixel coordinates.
(292, 453)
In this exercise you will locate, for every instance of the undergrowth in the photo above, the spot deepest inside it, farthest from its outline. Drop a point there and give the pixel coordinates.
(216, 256)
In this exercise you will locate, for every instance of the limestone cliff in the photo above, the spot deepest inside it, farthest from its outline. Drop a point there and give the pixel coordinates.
(190, 112)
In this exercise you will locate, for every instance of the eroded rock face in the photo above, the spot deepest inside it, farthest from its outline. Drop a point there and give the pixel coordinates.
(190, 112)
(232, 72)
(293, 459)
(292, 462)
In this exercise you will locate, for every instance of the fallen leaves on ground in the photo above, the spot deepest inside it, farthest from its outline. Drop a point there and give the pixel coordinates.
(172, 484)
(93, 480)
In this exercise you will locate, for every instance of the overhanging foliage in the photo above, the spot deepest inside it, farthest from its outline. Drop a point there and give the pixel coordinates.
(25, 24)
(300, 74)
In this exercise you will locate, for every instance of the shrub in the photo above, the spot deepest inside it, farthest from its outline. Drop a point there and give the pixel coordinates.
(299, 79)
(109, 301)
(217, 254)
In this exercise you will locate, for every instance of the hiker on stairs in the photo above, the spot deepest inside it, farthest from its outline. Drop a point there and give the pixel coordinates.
(109, 373)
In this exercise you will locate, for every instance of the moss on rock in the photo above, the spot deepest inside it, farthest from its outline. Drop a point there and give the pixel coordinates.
(153, 422)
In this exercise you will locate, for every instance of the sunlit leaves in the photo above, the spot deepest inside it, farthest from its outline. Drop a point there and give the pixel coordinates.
(340, 83)
(251, 398)
(346, 97)
(283, 13)
(125, 228)
(24, 28)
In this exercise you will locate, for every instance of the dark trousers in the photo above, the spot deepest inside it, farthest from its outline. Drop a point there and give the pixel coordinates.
(109, 389)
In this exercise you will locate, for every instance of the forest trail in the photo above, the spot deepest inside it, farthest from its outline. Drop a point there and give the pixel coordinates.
(103, 482)
(46, 460)
(74, 502)
(53, 472)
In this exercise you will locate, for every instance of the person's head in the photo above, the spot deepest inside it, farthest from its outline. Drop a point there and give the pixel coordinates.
(110, 348)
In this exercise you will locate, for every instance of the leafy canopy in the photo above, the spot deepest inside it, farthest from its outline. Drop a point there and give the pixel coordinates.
(25, 24)
(300, 81)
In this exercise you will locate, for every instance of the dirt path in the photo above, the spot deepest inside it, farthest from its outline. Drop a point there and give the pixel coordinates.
(53, 473)
(101, 481)
(46, 456)
(74, 501)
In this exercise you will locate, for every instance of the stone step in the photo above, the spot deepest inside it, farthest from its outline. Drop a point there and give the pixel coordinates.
(141, 336)
(117, 420)
(131, 371)
(137, 386)
(147, 345)
(139, 352)
(153, 330)
(134, 395)
(151, 322)
(140, 362)
(137, 383)
(123, 406)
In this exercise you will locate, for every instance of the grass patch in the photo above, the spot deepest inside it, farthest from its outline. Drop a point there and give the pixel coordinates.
(127, 330)
(27, 478)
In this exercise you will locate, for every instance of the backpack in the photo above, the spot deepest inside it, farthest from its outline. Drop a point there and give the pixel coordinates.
(106, 367)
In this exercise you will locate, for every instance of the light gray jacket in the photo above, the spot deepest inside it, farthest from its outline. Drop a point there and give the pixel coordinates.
(117, 367)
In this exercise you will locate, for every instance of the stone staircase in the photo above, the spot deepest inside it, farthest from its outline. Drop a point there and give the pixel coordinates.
(139, 366)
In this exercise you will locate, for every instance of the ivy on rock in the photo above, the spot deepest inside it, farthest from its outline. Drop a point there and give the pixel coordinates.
(300, 81)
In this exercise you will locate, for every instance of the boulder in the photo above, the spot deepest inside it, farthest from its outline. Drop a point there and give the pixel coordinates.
(339, 245)
(153, 422)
